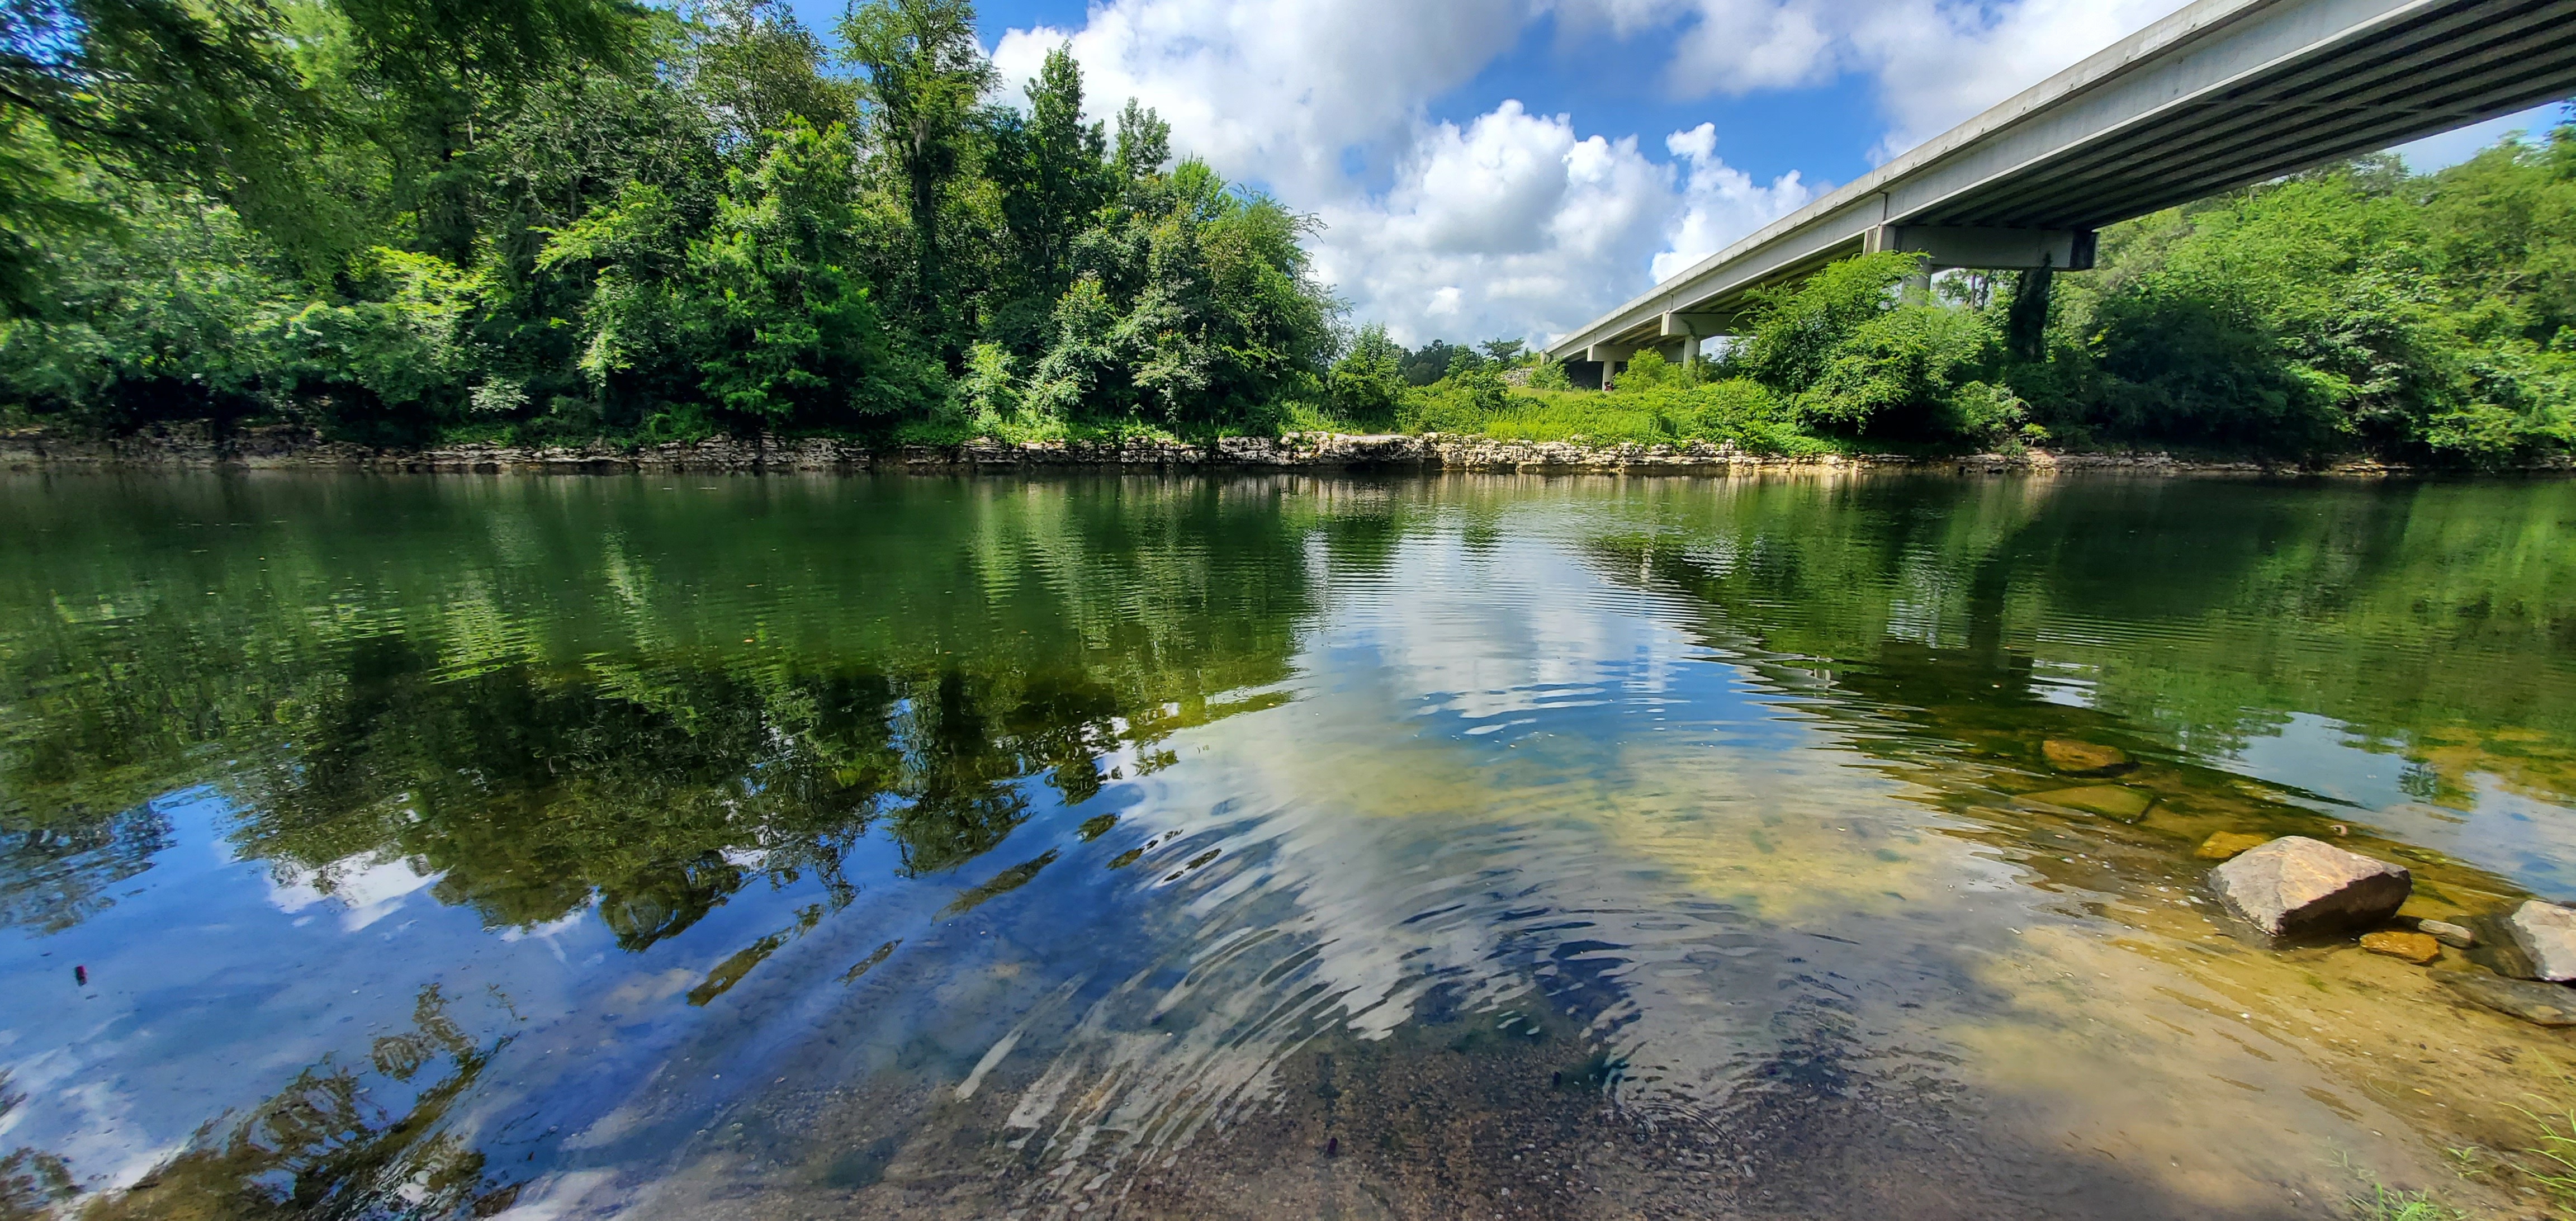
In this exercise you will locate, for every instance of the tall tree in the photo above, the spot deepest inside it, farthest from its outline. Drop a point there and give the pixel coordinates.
(926, 74)
(1054, 174)
(1144, 141)
(443, 63)
(757, 68)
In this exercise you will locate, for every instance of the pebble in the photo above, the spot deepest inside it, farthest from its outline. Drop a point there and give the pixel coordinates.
(2416, 948)
(2447, 933)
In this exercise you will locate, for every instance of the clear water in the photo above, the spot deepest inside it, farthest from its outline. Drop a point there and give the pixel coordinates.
(773, 847)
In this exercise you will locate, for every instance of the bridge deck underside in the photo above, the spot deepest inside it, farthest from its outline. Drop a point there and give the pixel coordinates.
(2439, 67)
(2442, 69)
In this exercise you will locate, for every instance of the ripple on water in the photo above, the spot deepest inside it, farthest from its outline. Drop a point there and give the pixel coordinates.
(1292, 846)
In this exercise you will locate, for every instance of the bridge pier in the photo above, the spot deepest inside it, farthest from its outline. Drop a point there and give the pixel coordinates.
(1609, 356)
(1689, 329)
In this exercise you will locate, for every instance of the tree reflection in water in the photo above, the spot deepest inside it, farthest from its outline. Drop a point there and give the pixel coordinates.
(542, 743)
(338, 1141)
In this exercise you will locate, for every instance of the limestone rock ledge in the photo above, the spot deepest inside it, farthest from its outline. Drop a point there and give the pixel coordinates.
(279, 447)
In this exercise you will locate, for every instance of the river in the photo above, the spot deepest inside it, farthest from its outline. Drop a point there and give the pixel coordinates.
(770, 847)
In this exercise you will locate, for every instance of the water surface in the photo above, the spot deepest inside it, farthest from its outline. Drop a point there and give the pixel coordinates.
(776, 847)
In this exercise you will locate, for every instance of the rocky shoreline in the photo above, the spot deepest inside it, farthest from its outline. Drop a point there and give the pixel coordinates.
(284, 448)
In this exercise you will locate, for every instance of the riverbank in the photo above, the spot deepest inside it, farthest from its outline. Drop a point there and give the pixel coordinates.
(283, 448)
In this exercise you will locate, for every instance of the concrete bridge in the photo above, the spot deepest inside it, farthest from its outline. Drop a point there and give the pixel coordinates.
(2218, 95)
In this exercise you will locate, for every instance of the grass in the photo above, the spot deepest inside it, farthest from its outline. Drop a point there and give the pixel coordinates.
(2549, 1164)
(1655, 414)
(1564, 415)
(2380, 1202)
(2383, 1203)
(2552, 1162)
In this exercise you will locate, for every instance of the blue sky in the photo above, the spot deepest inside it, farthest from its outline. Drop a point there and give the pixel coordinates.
(1489, 168)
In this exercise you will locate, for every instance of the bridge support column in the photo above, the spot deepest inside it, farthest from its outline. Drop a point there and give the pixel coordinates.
(1610, 355)
(1691, 328)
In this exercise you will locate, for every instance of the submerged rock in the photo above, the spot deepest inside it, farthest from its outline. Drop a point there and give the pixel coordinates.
(2446, 932)
(2546, 934)
(2417, 948)
(2228, 844)
(2083, 758)
(2539, 1004)
(2299, 887)
(2108, 800)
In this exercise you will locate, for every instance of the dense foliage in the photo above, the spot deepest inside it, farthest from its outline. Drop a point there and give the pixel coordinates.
(2430, 317)
(396, 220)
(528, 219)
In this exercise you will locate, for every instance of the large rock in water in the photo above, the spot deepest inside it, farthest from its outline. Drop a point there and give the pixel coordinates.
(2546, 934)
(2300, 887)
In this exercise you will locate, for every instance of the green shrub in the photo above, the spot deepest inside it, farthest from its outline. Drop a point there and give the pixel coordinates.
(1798, 330)
(1898, 369)
(1366, 386)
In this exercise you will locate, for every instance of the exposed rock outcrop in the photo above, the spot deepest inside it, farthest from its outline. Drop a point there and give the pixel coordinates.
(2546, 935)
(200, 445)
(2296, 887)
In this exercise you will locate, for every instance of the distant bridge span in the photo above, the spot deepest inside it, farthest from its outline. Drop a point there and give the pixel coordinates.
(2220, 94)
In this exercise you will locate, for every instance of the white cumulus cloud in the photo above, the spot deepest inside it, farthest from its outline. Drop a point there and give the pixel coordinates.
(1933, 62)
(1512, 225)
(1719, 202)
(1520, 222)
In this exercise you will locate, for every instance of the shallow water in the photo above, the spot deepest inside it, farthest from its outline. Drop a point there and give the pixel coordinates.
(772, 847)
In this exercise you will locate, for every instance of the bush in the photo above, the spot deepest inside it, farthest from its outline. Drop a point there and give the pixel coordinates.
(1898, 370)
(1737, 410)
(1366, 386)
(1461, 402)
(1797, 330)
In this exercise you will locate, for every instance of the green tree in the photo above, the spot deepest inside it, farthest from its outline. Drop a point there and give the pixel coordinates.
(756, 69)
(1144, 142)
(1796, 330)
(1054, 175)
(759, 315)
(200, 95)
(926, 74)
(1367, 383)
